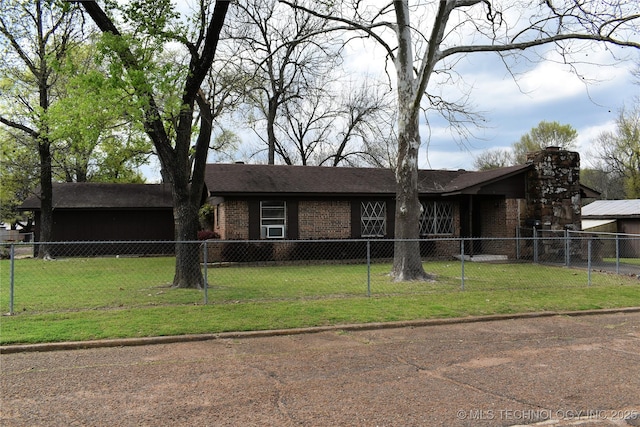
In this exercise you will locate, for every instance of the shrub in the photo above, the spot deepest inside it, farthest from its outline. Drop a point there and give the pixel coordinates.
(207, 235)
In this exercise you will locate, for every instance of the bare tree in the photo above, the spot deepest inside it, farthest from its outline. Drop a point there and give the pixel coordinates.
(365, 136)
(427, 39)
(618, 151)
(610, 185)
(337, 124)
(492, 159)
(284, 63)
(304, 126)
(183, 164)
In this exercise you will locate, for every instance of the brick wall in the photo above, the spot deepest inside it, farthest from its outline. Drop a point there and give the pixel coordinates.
(233, 221)
(515, 212)
(493, 217)
(324, 219)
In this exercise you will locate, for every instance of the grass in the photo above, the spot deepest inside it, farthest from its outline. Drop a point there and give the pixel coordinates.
(94, 298)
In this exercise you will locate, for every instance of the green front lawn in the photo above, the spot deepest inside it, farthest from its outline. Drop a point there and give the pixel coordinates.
(93, 298)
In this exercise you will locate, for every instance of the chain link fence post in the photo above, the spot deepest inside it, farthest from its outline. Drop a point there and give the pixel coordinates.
(535, 245)
(567, 245)
(11, 276)
(617, 254)
(589, 262)
(462, 263)
(368, 268)
(205, 257)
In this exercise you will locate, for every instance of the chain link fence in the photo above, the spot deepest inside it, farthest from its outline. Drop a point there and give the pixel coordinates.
(102, 275)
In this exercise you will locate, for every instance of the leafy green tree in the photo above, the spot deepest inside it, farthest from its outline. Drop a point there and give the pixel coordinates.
(89, 133)
(19, 173)
(169, 117)
(35, 35)
(546, 134)
(92, 130)
(618, 151)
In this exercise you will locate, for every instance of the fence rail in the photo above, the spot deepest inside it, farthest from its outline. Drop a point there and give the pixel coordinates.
(106, 275)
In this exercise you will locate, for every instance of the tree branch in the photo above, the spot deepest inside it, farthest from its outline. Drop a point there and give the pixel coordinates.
(350, 25)
(539, 42)
(19, 126)
(431, 56)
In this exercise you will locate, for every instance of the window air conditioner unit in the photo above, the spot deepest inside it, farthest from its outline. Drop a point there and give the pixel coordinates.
(273, 231)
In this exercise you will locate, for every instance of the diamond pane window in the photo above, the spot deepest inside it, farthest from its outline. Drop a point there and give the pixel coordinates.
(436, 218)
(373, 219)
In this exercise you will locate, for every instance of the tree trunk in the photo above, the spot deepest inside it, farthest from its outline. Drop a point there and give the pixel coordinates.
(407, 263)
(187, 272)
(46, 199)
(271, 135)
(187, 190)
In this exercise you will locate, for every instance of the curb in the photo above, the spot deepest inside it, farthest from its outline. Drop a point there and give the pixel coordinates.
(129, 342)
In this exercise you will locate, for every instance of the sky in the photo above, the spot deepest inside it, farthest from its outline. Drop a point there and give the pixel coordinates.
(546, 91)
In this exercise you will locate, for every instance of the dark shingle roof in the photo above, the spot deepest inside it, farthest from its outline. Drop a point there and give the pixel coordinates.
(467, 182)
(260, 179)
(84, 195)
(253, 180)
(243, 179)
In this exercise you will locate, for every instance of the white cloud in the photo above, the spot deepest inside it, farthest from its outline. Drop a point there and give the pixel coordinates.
(549, 82)
(586, 139)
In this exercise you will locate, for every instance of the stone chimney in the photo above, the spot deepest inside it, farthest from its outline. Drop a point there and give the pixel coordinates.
(553, 196)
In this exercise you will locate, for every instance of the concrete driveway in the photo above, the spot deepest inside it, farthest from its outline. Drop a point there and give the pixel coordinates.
(560, 370)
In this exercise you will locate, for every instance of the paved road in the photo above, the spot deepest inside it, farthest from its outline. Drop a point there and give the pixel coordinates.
(561, 370)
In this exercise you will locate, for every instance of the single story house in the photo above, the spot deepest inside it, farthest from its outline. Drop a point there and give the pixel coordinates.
(272, 202)
(277, 202)
(615, 216)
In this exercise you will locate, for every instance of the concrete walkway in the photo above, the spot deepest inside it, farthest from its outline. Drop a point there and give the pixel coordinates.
(555, 370)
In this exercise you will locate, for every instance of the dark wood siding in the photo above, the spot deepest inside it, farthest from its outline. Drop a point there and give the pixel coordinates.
(355, 219)
(292, 219)
(110, 225)
(511, 188)
(254, 219)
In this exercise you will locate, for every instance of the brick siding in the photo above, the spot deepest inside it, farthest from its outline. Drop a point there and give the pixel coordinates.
(324, 219)
(233, 223)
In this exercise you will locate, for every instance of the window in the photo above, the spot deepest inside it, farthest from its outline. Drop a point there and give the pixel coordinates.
(436, 218)
(273, 220)
(373, 219)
